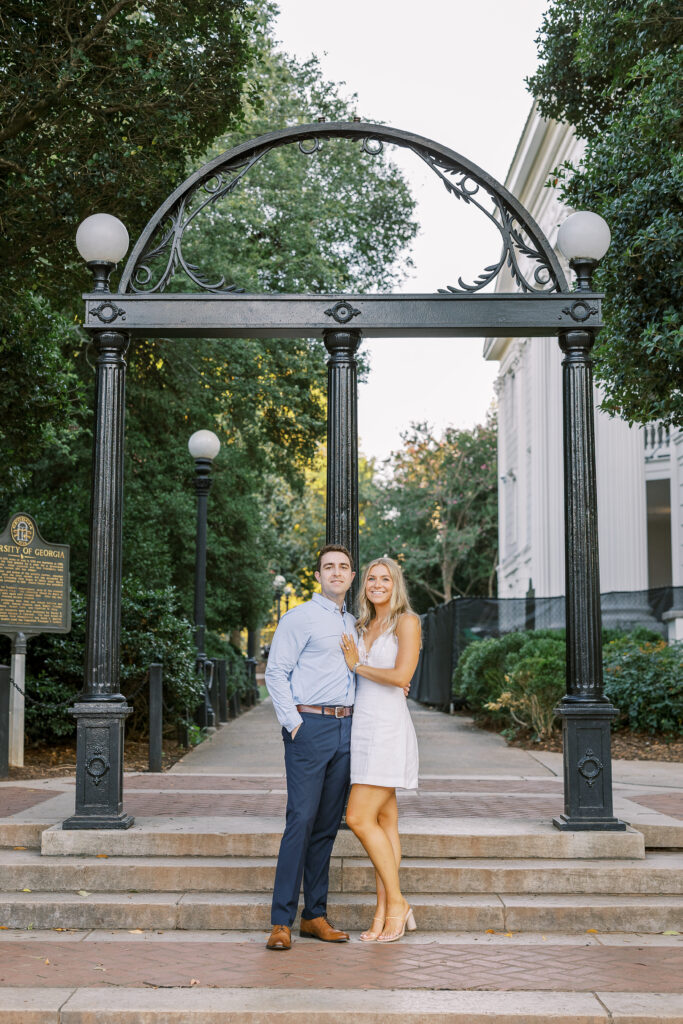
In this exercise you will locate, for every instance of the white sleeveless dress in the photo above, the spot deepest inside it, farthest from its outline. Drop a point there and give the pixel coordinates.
(383, 740)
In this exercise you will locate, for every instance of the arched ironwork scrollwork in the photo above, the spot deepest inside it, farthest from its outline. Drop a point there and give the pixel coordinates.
(158, 253)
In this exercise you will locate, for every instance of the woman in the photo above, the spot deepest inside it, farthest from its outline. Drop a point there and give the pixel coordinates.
(383, 741)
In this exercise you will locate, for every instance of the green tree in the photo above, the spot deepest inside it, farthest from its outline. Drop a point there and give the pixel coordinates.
(265, 398)
(614, 70)
(437, 513)
(101, 106)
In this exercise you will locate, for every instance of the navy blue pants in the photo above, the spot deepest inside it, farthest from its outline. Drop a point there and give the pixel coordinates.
(317, 761)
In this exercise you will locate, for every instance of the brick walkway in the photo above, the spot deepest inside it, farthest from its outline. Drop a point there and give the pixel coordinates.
(406, 965)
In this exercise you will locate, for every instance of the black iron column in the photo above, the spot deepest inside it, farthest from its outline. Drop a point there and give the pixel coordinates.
(202, 486)
(100, 708)
(342, 445)
(586, 713)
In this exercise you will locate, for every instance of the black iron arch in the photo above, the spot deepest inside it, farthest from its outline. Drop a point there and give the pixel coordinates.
(160, 244)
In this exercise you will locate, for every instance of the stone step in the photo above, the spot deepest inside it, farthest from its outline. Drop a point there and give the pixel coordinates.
(200, 911)
(659, 873)
(456, 837)
(332, 1006)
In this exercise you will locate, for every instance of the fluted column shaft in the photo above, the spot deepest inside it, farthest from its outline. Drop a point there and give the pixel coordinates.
(582, 571)
(103, 618)
(100, 708)
(342, 444)
(585, 712)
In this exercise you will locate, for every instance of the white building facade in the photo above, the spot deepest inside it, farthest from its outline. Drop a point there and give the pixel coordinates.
(639, 471)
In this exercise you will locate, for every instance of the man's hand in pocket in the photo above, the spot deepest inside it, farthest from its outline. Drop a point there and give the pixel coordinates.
(295, 731)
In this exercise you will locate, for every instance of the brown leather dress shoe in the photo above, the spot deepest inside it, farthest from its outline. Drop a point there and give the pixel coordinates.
(320, 928)
(280, 937)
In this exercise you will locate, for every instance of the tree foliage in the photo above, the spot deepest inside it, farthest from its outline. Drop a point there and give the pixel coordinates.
(264, 398)
(437, 512)
(614, 70)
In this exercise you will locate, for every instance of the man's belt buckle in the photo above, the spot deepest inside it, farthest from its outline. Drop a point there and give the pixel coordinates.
(339, 712)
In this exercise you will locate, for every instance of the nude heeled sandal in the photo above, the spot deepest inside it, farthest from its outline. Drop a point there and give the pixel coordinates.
(407, 921)
(368, 936)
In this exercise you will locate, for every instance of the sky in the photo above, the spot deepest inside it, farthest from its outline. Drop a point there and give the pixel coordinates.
(452, 71)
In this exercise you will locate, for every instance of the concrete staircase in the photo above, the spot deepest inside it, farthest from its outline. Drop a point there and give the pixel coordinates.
(537, 880)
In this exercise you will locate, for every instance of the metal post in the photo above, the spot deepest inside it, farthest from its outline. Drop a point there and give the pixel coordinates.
(17, 700)
(156, 711)
(586, 713)
(252, 661)
(222, 689)
(530, 607)
(215, 700)
(100, 708)
(4, 720)
(202, 486)
(342, 444)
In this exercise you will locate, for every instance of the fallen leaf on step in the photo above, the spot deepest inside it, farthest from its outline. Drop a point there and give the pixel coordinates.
(194, 981)
(591, 931)
(83, 892)
(135, 931)
(25, 890)
(102, 855)
(99, 968)
(4, 927)
(490, 931)
(58, 929)
(671, 933)
(508, 935)
(46, 961)
(19, 847)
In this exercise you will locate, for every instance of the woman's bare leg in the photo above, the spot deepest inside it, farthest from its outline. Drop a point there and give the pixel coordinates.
(362, 817)
(388, 820)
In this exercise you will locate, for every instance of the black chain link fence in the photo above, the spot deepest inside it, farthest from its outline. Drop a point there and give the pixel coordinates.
(448, 628)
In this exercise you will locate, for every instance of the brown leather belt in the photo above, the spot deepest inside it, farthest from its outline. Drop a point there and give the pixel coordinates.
(341, 711)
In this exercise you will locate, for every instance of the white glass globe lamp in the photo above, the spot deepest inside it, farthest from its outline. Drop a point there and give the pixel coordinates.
(584, 238)
(102, 241)
(204, 445)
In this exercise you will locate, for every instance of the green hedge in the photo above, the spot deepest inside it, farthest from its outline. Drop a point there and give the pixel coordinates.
(515, 681)
(152, 629)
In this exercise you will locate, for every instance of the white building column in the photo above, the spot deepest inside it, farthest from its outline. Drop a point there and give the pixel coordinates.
(622, 520)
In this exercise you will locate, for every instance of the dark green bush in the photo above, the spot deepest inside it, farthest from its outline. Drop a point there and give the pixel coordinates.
(518, 679)
(534, 683)
(644, 680)
(480, 674)
(152, 629)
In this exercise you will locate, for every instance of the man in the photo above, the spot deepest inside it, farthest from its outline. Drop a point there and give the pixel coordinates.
(313, 693)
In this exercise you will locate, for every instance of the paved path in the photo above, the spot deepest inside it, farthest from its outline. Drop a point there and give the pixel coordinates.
(449, 745)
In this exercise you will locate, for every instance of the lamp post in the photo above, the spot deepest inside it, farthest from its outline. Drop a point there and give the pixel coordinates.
(289, 590)
(203, 447)
(585, 711)
(101, 709)
(278, 587)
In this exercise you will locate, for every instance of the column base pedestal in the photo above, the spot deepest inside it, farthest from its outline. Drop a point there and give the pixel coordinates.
(567, 824)
(99, 766)
(78, 821)
(587, 757)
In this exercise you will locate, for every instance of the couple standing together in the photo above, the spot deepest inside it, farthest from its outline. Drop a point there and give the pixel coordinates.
(339, 689)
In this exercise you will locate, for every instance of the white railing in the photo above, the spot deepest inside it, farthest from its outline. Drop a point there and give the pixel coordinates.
(656, 437)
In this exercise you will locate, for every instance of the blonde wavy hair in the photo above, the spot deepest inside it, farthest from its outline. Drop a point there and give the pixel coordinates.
(398, 605)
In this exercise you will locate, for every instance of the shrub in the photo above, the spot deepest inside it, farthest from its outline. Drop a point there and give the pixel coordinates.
(480, 673)
(519, 678)
(152, 629)
(644, 680)
(535, 682)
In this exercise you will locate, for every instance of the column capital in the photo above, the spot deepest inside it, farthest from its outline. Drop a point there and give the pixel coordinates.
(577, 343)
(342, 345)
(111, 346)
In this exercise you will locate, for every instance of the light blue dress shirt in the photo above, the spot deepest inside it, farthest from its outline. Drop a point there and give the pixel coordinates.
(306, 664)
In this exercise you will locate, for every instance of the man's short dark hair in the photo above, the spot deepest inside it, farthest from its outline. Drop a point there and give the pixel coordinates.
(334, 547)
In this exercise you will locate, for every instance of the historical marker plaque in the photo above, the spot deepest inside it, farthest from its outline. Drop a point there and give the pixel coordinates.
(34, 580)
